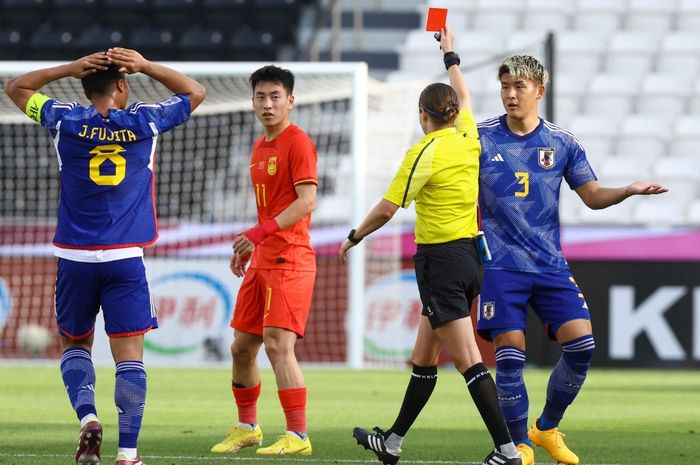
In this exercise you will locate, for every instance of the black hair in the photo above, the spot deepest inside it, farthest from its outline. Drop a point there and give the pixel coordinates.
(440, 101)
(100, 82)
(275, 74)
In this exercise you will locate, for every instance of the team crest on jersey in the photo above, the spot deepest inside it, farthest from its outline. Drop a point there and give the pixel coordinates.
(545, 157)
(272, 166)
(488, 309)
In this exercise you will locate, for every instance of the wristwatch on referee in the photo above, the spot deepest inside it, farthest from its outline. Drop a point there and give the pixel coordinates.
(353, 239)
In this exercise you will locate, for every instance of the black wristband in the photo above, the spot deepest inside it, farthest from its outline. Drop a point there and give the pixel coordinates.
(450, 58)
(353, 239)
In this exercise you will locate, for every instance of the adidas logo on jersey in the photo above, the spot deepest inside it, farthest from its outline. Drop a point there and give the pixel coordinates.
(497, 157)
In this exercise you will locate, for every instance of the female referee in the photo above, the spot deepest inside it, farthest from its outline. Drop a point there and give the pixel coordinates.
(440, 173)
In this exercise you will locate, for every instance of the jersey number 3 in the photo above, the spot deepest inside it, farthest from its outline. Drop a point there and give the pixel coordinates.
(101, 154)
(524, 179)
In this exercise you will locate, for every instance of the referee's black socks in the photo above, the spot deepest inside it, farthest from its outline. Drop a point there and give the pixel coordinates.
(420, 387)
(483, 391)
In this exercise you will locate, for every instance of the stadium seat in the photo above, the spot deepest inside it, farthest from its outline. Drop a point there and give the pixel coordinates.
(664, 95)
(579, 52)
(75, 16)
(569, 89)
(251, 45)
(666, 209)
(202, 45)
(649, 15)
(155, 44)
(679, 53)
(631, 52)
(641, 134)
(46, 44)
(684, 167)
(612, 94)
(686, 136)
(12, 44)
(632, 166)
(530, 42)
(176, 14)
(688, 15)
(24, 15)
(97, 38)
(496, 15)
(601, 16)
(126, 15)
(596, 133)
(227, 14)
(547, 15)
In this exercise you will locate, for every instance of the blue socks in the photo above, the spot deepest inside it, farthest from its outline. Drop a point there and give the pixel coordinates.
(78, 375)
(130, 399)
(512, 394)
(566, 379)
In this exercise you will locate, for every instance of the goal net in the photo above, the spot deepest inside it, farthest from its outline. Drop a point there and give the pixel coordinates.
(364, 313)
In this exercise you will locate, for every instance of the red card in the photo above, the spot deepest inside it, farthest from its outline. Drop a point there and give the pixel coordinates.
(437, 18)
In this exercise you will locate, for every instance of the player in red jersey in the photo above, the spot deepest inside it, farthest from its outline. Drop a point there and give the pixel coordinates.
(274, 299)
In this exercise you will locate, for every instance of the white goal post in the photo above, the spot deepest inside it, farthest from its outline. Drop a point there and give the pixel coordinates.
(363, 314)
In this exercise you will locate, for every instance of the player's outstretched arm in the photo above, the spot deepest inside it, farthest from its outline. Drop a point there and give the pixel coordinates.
(457, 81)
(380, 215)
(596, 197)
(21, 88)
(131, 61)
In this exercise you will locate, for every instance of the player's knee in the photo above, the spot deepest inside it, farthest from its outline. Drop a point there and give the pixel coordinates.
(277, 351)
(242, 353)
(578, 353)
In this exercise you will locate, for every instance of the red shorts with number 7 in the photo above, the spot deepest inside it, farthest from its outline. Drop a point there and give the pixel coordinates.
(274, 298)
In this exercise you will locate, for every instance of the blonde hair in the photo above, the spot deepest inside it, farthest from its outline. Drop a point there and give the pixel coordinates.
(524, 66)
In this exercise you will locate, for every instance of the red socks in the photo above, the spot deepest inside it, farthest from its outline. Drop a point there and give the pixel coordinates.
(294, 405)
(247, 402)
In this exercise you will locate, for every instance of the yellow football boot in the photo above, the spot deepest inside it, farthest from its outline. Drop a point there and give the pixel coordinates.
(552, 440)
(526, 453)
(238, 438)
(287, 444)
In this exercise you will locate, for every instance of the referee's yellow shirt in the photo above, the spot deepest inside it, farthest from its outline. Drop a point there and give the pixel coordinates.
(441, 173)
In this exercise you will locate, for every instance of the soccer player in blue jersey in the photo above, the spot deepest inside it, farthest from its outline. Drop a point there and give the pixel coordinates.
(106, 216)
(523, 161)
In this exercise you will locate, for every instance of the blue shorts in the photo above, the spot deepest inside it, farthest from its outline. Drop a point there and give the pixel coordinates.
(505, 296)
(119, 287)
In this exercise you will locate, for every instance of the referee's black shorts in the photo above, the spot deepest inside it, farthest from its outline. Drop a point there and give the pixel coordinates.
(449, 278)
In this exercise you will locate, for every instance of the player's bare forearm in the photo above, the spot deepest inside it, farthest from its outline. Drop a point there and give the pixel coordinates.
(457, 81)
(380, 215)
(21, 88)
(304, 204)
(131, 61)
(377, 217)
(596, 197)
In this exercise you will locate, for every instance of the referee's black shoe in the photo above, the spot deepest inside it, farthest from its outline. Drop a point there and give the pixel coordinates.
(496, 458)
(375, 442)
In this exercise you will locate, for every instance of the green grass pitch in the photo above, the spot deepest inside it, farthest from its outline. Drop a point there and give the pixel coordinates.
(621, 417)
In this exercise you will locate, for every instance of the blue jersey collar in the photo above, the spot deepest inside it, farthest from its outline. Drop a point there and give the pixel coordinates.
(533, 133)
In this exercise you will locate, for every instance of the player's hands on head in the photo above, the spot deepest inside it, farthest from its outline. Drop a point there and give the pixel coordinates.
(447, 39)
(645, 188)
(129, 61)
(89, 64)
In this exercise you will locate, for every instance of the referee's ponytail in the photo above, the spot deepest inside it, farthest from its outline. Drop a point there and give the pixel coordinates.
(440, 102)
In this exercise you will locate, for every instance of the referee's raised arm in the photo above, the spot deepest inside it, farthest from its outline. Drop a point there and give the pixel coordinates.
(451, 59)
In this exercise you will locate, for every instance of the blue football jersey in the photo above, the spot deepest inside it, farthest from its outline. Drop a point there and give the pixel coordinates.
(106, 169)
(519, 182)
